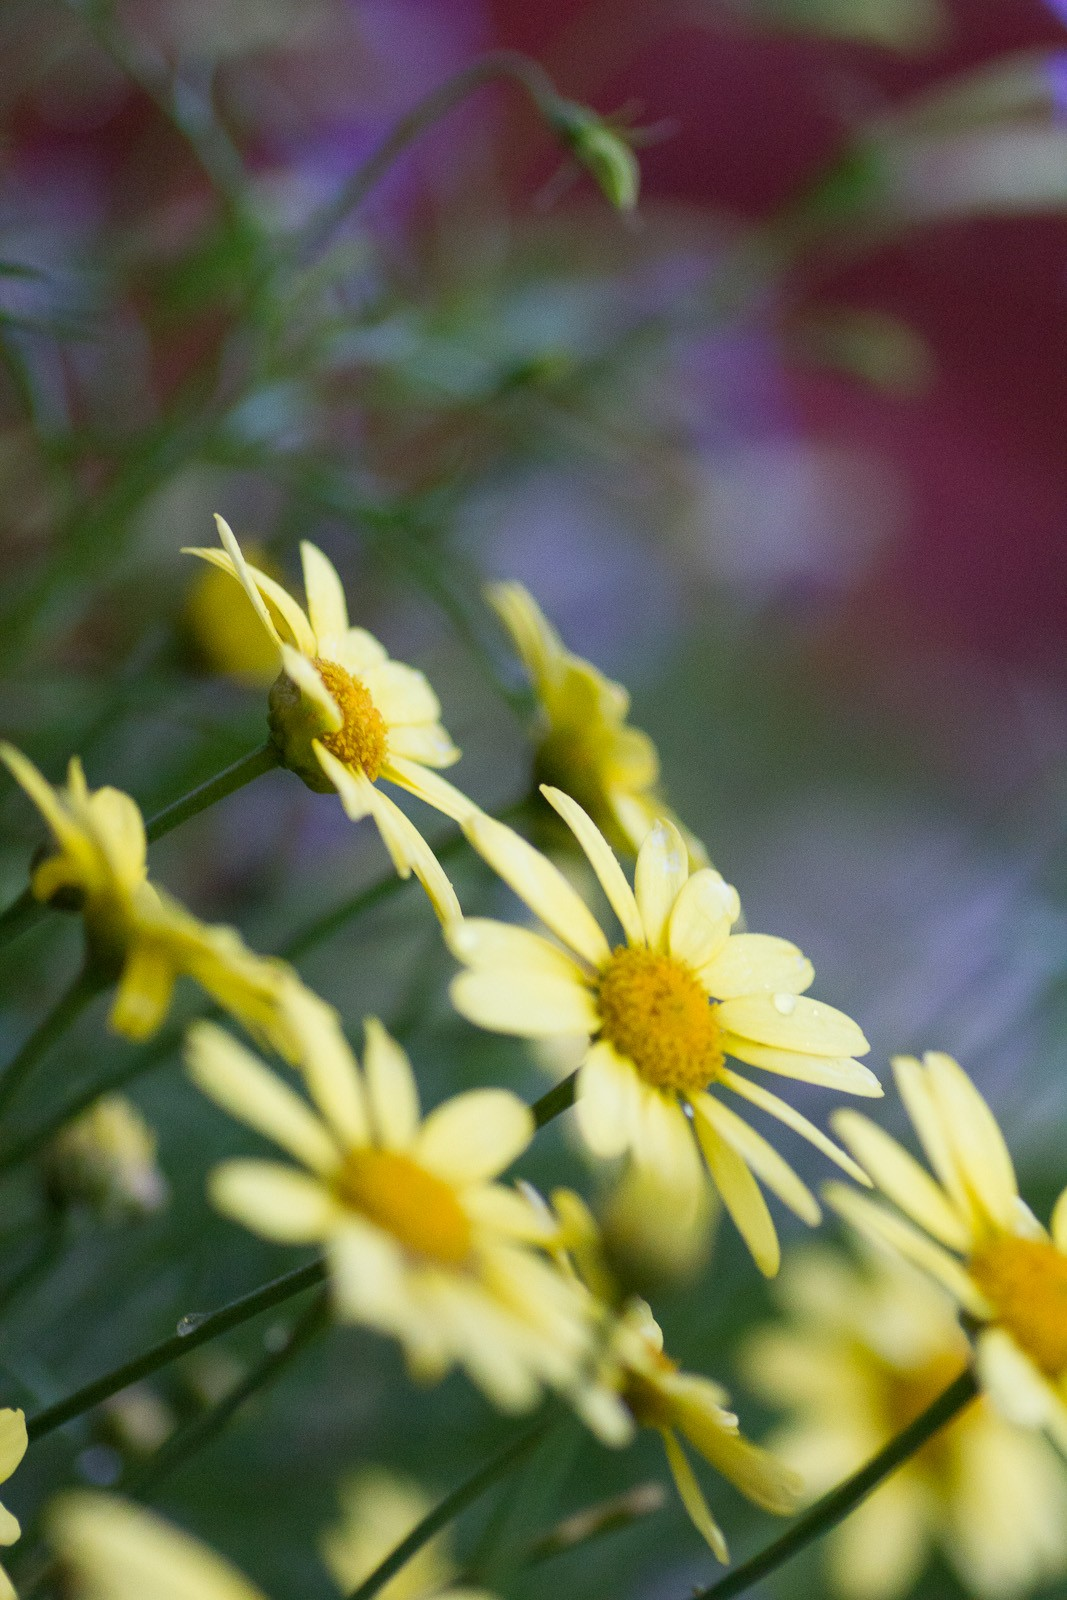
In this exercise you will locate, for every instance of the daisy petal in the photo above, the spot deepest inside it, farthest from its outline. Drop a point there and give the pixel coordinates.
(327, 607)
(664, 1144)
(13, 1441)
(263, 591)
(359, 652)
(367, 1277)
(980, 1151)
(604, 1098)
(763, 1158)
(435, 791)
(1058, 1224)
(275, 1201)
(759, 1475)
(541, 885)
(391, 1089)
(794, 1023)
(877, 1222)
(902, 1179)
(603, 861)
(427, 743)
(740, 1195)
(530, 1005)
(403, 694)
(757, 1095)
(482, 942)
(706, 909)
(692, 1497)
(1013, 1383)
(914, 1087)
(756, 963)
(662, 870)
(851, 1077)
(239, 1083)
(329, 1068)
(354, 789)
(306, 677)
(475, 1136)
(410, 853)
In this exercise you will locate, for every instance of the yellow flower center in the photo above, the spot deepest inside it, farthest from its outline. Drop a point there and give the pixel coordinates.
(1025, 1280)
(648, 1403)
(360, 741)
(655, 1012)
(417, 1208)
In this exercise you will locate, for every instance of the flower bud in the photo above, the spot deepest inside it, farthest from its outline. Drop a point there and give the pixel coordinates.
(602, 151)
(106, 1160)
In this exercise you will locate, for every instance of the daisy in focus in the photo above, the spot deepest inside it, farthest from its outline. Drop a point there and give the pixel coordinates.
(378, 1510)
(111, 1549)
(13, 1443)
(585, 746)
(421, 1243)
(344, 716)
(136, 934)
(863, 1351)
(661, 1012)
(967, 1226)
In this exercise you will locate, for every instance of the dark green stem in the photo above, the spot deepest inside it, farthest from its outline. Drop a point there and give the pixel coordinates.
(263, 759)
(48, 1032)
(182, 1445)
(498, 65)
(179, 1344)
(557, 1100)
(835, 1506)
(449, 1509)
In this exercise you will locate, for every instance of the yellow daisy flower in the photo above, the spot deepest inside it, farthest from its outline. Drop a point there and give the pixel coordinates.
(106, 1159)
(378, 1510)
(135, 932)
(421, 1243)
(344, 716)
(110, 1549)
(661, 1012)
(636, 1384)
(13, 1443)
(968, 1227)
(585, 745)
(862, 1352)
(225, 629)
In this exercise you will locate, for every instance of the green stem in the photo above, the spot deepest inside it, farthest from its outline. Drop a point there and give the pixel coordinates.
(21, 915)
(835, 1506)
(178, 1449)
(449, 1509)
(498, 65)
(559, 1099)
(48, 1032)
(263, 759)
(179, 1344)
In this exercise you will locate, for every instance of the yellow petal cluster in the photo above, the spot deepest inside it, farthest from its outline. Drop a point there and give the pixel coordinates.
(661, 1011)
(860, 1351)
(345, 716)
(964, 1223)
(585, 746)
(13, 1443)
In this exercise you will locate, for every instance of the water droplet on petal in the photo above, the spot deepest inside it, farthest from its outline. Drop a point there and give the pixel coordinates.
(785, 1003)
(190, 1322)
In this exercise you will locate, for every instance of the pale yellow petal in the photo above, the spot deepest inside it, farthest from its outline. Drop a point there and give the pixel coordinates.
(429, 787)
(756, 963)
(481, 942)
(41, 792)
(354, 789)
(531, 1005)
(10, 1532)
(759, 1475)
(367, 1277)
(275, 1201)
(327, 608)
(392, 1093)
(145, 990)
(605, 1097)
(328, 1066)
(757, 1095)
(877, 1222)
(428, 744)
(902, 1179)
(603, 861)
(1011, 1380)
(359, 652)
(792, 1023)
(13, 1441)
(662, 870)
(242, 573)
(740, 1195)
(410, 853)
(1058, 1224)
(475, 1135)
(877, 1553)
(298, 668)
(119, 1551)
(663, 1143)
(238, 1082)
(403, 694)
(507, 1212)
(541, 885)
(850, 1077)
(978, 1144)
(762, 1157)
(533, 635)
(916, 1091)
(119, 827)
(692, 1497)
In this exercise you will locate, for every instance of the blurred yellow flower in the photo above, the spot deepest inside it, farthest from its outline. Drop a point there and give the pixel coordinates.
(226, 628)
(585, 745)
(110, 1549)
(863, 1351)
(135, 933)
(968, 1228)
(12, 1449)
(106, 1159)
(378, 1509)
(421, 1244)
(661, 1013)
(344, 716)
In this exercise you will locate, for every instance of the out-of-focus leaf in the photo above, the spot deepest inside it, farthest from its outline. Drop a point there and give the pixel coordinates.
(895, 24)
(882, 350)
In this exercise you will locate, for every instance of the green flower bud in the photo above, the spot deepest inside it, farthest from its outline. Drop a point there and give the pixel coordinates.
(602, 151)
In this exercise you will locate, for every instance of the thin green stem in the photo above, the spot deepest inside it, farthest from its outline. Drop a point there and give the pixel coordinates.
(835, 1506)
(200, 1331)
(182, 1445)
(48, 1032)
(499, 65)
(557, 1100)
(263, 759)
(450, 1508)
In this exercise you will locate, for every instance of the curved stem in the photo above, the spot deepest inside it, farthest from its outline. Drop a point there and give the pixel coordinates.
(449, 1508)
(179, 1344)
(835, 1506)
(498, 65)
(263, 759)
(48, 1032)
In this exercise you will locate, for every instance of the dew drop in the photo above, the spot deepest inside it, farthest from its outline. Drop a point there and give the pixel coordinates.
(190, 1322)
(785, 1003)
